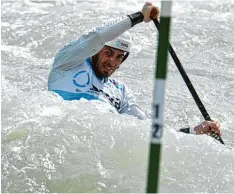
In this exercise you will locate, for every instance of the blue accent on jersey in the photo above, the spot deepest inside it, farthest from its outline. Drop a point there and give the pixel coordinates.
(88, 60)
(81, 85)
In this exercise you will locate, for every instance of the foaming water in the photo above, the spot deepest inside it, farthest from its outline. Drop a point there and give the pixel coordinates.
(51, 145)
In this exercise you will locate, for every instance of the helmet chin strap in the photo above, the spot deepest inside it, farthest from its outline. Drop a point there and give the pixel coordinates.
(125, 57)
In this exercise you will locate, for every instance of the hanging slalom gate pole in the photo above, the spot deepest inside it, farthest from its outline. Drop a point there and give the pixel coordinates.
(158, 102)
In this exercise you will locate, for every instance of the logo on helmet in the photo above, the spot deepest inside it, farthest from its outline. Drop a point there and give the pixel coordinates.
(121, 45)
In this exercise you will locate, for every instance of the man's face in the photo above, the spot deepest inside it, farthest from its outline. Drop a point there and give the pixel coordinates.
(108, 60)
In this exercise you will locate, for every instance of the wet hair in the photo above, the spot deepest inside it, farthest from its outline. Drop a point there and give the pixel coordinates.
(95, 59)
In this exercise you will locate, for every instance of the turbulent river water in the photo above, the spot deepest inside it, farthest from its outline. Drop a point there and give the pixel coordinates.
(51, 145)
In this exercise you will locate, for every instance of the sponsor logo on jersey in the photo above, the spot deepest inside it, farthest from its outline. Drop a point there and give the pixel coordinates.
(113, 101)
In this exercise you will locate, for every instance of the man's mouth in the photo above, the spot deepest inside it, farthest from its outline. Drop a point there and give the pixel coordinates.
(108, 67)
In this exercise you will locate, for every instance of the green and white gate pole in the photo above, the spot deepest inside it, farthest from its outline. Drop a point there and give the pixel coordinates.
(158, 102)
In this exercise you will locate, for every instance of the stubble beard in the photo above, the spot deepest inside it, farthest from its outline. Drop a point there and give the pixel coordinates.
(96, 67)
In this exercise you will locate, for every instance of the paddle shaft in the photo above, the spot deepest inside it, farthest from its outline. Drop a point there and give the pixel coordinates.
(189, 85)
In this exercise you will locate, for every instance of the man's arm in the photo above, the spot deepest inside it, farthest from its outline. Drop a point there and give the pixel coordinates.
(128, 105)
(90, 44)
(134, 110)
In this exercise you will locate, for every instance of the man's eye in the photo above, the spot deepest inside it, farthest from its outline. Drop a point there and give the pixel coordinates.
(120, 58)
(108, 53)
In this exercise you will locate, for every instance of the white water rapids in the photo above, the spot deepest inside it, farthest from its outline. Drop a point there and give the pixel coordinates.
(51, 145)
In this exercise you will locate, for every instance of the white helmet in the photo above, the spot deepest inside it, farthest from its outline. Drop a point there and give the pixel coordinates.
(122, 42)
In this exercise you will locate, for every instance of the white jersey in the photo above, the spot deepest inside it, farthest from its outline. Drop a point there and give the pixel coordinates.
(72, 75)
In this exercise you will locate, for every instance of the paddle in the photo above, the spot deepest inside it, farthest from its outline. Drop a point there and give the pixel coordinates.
(190, 86)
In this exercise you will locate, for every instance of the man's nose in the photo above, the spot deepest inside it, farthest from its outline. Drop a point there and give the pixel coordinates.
(112, 61)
